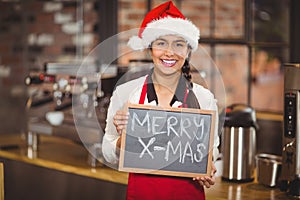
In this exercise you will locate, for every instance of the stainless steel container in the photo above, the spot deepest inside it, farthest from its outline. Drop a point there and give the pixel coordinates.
(268, 168)
(239, 144)
(239, 153)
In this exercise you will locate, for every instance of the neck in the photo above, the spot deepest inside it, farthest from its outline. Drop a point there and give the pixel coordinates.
(168, 82)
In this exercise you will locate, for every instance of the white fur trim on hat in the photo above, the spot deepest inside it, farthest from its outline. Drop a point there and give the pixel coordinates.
(136, 43)
(166, 26)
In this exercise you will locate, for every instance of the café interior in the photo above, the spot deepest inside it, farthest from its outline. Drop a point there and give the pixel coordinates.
(61, 60)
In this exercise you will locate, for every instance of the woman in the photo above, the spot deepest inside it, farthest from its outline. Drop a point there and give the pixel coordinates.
(170, 40)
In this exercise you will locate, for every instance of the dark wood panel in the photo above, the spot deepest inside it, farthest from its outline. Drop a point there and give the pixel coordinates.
(25, 181)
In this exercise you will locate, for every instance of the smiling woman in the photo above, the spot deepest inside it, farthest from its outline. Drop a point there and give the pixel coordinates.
(170, 39)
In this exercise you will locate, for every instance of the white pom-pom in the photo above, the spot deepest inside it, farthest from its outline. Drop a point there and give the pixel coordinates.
(136, 43)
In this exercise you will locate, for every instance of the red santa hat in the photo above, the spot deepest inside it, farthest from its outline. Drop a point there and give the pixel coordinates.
(165, 19)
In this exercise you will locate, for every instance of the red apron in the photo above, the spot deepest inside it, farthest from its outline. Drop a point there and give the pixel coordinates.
(155, 187)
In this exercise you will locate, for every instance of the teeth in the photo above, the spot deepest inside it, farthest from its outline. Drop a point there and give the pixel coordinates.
(170, 62)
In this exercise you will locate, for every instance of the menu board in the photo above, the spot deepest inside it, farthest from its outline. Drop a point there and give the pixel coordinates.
(167, 141)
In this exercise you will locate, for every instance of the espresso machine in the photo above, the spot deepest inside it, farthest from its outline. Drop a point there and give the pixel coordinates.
(59, 88)
(290, 173)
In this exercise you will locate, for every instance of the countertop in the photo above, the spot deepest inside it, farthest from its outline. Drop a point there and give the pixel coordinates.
(58, 154)
(224, 190)
(67, 156)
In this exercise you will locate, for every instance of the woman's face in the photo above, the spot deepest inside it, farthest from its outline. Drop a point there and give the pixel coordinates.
(169, 53)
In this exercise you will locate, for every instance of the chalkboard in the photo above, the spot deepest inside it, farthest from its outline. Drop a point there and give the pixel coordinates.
(167, 141)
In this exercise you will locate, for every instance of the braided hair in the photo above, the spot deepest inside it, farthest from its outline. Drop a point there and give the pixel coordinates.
(192, 100)
(186, 71)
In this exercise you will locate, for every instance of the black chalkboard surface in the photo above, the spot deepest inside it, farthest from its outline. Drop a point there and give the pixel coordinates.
(168, 141)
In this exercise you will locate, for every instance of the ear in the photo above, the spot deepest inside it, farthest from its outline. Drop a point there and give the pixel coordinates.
(149, 50)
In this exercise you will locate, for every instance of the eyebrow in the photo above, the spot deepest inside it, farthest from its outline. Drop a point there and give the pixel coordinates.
(179, 40)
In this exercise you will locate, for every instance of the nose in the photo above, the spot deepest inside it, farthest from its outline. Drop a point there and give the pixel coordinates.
(169, 50)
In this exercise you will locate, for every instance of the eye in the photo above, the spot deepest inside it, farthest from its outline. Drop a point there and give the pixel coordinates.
(160, 43)
(180, 44)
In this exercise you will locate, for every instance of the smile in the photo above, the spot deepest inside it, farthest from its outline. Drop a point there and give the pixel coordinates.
(168, 63)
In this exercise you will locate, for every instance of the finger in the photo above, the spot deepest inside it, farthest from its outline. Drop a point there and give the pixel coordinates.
(115, 123)
(213, 169)
(119, 131)
(120, 118)
(207, 185)
(121, 114)
(121, 127)
(206, 182)
(196, 178)
(120, 122)
(210, 180)
(213, 173)
(203, 182)
(199, 180)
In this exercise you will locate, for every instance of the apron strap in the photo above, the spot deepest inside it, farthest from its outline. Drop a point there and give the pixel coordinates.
(144, 92)
(186, 93)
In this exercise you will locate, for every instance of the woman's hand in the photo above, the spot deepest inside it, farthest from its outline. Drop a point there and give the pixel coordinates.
(120, 122)
(207, 181)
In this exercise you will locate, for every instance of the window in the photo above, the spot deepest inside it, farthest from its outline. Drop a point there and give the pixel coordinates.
(247, 40)
(270, 27)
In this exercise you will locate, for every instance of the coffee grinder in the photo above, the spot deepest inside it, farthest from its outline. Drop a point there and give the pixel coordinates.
(290, 172)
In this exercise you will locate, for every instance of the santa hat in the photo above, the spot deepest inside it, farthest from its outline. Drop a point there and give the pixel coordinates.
(165, 19)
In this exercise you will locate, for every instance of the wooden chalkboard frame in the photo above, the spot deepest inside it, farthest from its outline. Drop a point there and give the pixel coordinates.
(179, 173)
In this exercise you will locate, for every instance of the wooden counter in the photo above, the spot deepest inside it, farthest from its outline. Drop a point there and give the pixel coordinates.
(58, 154)
(225, 190)
(62, 155)
(58, 171)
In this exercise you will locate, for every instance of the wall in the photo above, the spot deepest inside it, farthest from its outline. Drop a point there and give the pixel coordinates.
(33, 33)
(217, 20)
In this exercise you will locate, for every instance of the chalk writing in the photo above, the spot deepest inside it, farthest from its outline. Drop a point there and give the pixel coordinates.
(167, 140)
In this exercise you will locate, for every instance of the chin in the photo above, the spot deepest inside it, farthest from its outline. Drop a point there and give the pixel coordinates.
(170, 70)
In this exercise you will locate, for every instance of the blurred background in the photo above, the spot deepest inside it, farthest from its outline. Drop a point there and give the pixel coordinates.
(249, 40)
(43, 43)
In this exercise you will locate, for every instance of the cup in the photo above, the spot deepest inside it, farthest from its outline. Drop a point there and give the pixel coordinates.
(55, 118)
